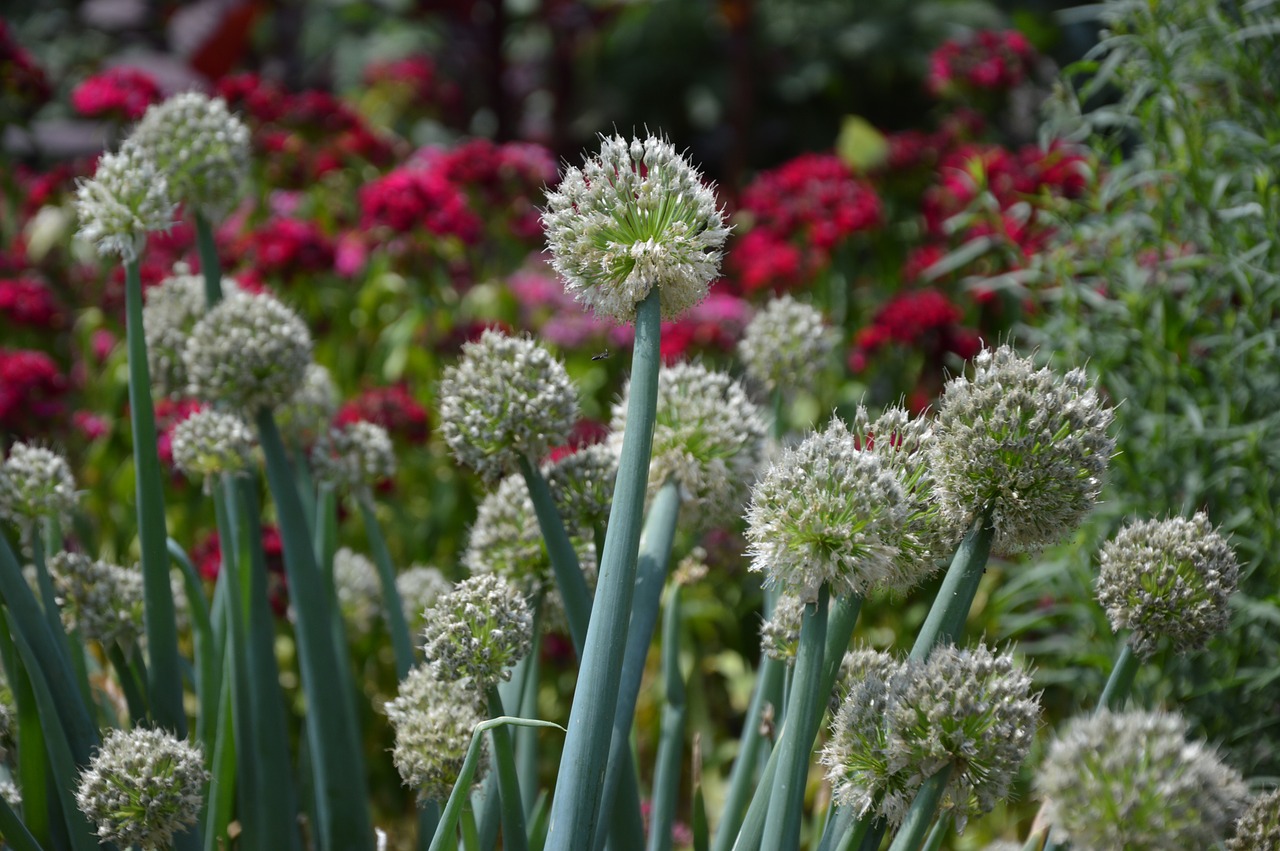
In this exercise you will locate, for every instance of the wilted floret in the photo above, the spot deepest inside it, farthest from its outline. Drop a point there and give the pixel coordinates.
(826, 511)
(209, 443)
(433, 720)
(1168, 580)
(142, 787)
(786, 344)
(419, 587)
(1026, 444)
(479, 630)
(708, 437)
(250, 352)
(355, 579)
(200, 147)
(967, 709)
(103, 600)
(1132, 781)
(780, 634)
(637, 216)
(507, 398)
(127, 198)
(35, 484)
(1259, 828)
(310, 409)
(172, 309)
(354, 456)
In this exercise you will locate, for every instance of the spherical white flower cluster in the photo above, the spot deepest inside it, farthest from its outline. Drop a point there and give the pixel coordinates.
(433, 720)
(127, 198)
(309, 411)
(359, 590)
(209, 443)
(35, 484)
(171, 310)
(1259, 828)
(786, 344)
(102, 600)
(479, 630)
(354, 457)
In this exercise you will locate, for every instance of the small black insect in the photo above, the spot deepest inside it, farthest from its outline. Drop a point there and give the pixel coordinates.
(601, 356)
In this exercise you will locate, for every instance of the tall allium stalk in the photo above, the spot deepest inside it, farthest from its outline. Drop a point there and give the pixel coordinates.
(637, 236)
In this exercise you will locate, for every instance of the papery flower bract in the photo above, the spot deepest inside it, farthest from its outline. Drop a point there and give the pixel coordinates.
(786, 345)
(200, 147)
(479, 630)
(708, 437)
(507, 398)
(1029, 446)
(1132, 781)
(142, 787)
(826, 512)
(433, 720)
(249, 351)
(127, 198)
(35, 484)
(171, 310)
(1168, 581)
(419, 587)
(209, 443)
(102, 600)
(1259, 828)
(359, 589)
(635, 217)
(354, 457)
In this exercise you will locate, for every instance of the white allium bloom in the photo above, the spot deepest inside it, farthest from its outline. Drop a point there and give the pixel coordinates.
(210, 442)
(359, 589)
(1130, 781)
(35, 484)
(171, 310)
(708, 436)
(103, 600)
(581, 484)
(309, 411)
(827, 512)
(1259, 828)
(142, 787)
(780, 634)
(433, 720)
(635, 217)
(354, 457)
(418, 587)
(478, 631)
(200, 147)
(127, 198)
(507, 398)
(1026, 444)
(786, 344)
(249, 352)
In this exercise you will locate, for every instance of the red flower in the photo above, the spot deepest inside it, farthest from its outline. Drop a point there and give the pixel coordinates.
(90, 424)
(921, 319)
(409, 199)
(390, 407)
(286, 248)
(260, 99)
(119, 94)
(31, 391)
(26, 301)
(761, 260)
(206, 555)
(814, 196)
(24, 87)
(987, 61)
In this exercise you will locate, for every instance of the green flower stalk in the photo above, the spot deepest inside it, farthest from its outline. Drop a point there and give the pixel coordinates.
(709, 438)
(102, 600)
(142, 788)
(36, 486)
(433, 720)
(637, 217)
(209, 443)
(127, 198)
(1132, 781)
(171, 310)
(1169, 581)
(786, 345)
(1259, 828)
(507, 398)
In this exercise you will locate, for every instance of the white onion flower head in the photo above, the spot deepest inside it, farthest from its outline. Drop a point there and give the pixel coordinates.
(200, 147)
(35, 484)
(635, 217)
(479, 630)
(419, 587)
(354, 457)
(581, 484)
(827, 512)
(310, 409)
(786, 344)
(780, 633)
(433, 720)
(1168, 581)
(171, 310)
(708, 436)
(507, 398)
(142, 787)
(971, 710)
(249, 352)
(209, 443)
(102, 600)
(127, 198)
(1132, 781)
(1259, 828)
(1028, 445)
(359, 589)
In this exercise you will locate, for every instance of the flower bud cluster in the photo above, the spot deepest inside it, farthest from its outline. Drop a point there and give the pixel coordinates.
(479, 630)
(581, 484)
(103, 600)
(786, 345)
(209, 443)
(127, 198)
(172, 309)
(35, 484)
(354, 457)
(1259, 828)
(780, 634)
(433, 719)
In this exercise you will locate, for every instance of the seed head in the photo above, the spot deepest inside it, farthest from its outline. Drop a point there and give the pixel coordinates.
(355, 456)
(209, 443)
(1132, 781)
(1029, 445)
(142, 787)
(478, 630)
(102, 600)
(786, 344)
(419, 587)
(1168, 580)
(1259, 828)
(172, 309)
(35, 484)
(637, 216)
(355, 578)
(433, 721)
(506, 398)
(127, 198)
(200, 147)
(249, 352)
(709, 436)
(309, 411)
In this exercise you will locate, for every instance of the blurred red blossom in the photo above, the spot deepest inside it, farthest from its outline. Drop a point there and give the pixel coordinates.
(117, 94)
(28, 302)
(31, 391)
(986, 61)
(392, 407)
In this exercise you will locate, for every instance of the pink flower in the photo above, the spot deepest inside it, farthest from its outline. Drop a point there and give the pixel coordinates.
(27, 301)
(90, 425)
(392, 407)
(409, 199)
(986, 61)
(31, 391)
(286, 248)
(814, 196)
(24, 87)
(119, 94)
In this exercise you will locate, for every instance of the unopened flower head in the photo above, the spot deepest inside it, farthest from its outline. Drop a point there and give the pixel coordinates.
(200, 147)
(209, 443)
(419, 587)
(433, 720)
(102, 600)
(637, 216)
(355, 578)
(126, 199)
(1028, 445)
(172, 309)
(709, 437)
(479, 630)
(1132, 781)
(35, 484)
(250, 352)
(1259, 828)
(310, 409)
(971, 710)
(780, 634)
(826, 512)
(582, 483)
(786, 344)
(142, 787)
(1168, 581)
(507, 398)
(354, 457)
